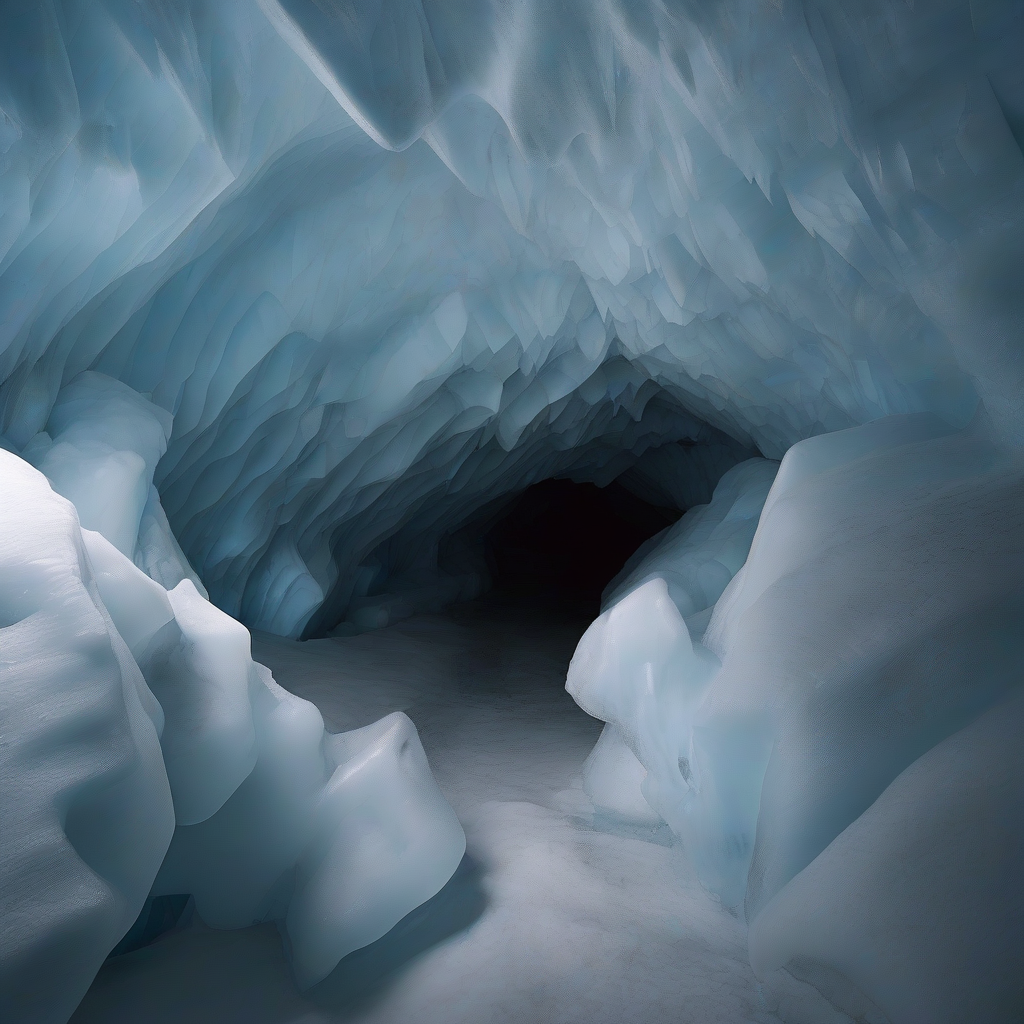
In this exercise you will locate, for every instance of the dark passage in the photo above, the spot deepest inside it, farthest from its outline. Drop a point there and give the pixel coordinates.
(569, 540)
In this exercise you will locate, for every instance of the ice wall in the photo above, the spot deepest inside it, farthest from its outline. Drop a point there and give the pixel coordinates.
(384, 265)
(839, 749)
(86, 806)
(333, 278)
(641, 666)
(143, 753)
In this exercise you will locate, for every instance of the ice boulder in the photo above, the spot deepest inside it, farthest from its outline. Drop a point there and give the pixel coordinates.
(337, 837)
(196, 661)
(636, 668)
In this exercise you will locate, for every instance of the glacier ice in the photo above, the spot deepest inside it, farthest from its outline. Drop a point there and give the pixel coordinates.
(641, 666)
(291, 292)
(698, 556)
(86, 805)
(819, 747)
(384, 267)
(146, 753)
(943, 920)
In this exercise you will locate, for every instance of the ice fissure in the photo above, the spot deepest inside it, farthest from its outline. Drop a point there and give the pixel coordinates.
(292, 294)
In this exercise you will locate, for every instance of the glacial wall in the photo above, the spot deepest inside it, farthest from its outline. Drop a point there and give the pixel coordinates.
(385, 266)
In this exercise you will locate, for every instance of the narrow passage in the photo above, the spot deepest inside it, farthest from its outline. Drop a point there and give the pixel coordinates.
(556, 914)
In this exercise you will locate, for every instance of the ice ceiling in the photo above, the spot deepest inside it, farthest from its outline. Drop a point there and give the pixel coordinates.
(382, 262)
(292, 292)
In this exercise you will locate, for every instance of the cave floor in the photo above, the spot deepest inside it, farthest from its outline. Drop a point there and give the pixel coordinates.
(555, 915)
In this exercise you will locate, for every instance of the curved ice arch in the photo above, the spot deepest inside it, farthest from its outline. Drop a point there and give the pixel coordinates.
(232, 242)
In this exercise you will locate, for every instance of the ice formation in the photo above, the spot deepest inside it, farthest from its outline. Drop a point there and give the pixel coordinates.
(86, 804)
(144, 753)
(291, 291)
(641, 666)
(382, 267)
(843, 739)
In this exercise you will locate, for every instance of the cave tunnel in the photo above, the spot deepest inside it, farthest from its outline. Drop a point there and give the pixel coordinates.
(562, 541)
(349, 352)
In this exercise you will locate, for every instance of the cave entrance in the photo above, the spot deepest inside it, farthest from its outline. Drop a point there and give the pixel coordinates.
(566, 541)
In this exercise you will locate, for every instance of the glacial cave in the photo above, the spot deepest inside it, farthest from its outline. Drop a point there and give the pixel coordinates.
(511, 511)
(564, 542)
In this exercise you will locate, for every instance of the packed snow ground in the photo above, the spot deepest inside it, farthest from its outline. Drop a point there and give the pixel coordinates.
(556, 914)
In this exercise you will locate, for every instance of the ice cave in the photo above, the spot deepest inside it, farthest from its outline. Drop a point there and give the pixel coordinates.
(512, 511)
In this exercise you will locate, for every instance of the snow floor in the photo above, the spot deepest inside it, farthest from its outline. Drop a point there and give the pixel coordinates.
(555, 915)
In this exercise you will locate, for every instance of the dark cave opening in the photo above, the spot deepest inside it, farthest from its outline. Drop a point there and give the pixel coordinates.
(566, 541)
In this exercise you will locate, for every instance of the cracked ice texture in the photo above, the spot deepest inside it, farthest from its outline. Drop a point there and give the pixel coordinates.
(382, 263)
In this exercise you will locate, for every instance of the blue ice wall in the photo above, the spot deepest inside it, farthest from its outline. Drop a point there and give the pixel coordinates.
(816, 681)
(290, 290)
(382, 263)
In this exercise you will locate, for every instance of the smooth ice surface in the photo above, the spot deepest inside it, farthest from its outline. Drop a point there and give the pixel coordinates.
(558, 913)
(86, 806)
(873, 630)
(385, 264)
(641, 669)
(145, 753)
(945, 918)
